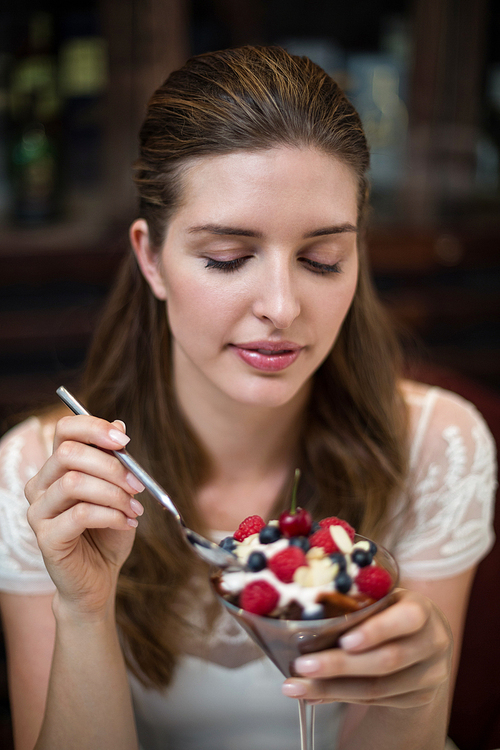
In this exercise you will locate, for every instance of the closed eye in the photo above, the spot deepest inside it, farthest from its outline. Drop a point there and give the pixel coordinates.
(321, 268)
(225, 265)
(233, 265)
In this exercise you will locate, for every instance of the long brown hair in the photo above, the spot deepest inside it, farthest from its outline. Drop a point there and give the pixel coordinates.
(353, 446)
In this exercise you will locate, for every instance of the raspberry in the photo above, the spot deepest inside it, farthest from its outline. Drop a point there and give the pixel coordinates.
(373, 581)
(334, 521)
(251, 525)
(285, 563)
(259, 597)
(323, 538)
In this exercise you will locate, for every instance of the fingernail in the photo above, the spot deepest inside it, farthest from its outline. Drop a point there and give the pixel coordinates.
(119, 437)
(134, 482)
(351, 640)
(306, 664)
(133, 522)
(136, 507)
(293, 689)
(120, 421)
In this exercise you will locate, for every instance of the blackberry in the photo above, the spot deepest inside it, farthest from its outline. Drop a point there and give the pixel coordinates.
(269, 534)
(229, 544)
(343, 582)
(339, 558)
(256, 561)
(302, 542)
(362, 557)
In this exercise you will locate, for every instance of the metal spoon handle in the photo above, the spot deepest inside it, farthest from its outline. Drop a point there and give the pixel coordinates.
(125, 458)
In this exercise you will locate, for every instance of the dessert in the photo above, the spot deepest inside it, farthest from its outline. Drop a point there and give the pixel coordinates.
(303, 584)
(297, 570)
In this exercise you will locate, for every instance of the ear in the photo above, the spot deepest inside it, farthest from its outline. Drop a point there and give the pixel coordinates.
(147, 258)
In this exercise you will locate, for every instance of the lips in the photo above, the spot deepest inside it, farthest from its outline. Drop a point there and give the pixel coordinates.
(268, 356)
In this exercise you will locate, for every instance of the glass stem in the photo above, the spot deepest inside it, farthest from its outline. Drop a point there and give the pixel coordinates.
(306, 718)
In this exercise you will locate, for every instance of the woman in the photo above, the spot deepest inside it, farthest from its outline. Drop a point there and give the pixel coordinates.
(242, 340)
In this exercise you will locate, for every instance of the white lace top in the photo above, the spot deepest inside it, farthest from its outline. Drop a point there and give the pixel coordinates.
(225, 696)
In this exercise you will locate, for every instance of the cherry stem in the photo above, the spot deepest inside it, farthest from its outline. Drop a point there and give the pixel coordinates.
(294, 492)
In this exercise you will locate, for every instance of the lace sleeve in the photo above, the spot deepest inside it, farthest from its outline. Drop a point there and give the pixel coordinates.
(453, 488)
(23, 451)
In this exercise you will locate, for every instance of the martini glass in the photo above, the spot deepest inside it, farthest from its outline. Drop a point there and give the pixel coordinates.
(284, 640)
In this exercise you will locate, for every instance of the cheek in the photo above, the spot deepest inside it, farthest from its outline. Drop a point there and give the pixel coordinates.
(201, 307)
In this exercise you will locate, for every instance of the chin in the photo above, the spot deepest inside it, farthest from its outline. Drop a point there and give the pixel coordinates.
(270, 394)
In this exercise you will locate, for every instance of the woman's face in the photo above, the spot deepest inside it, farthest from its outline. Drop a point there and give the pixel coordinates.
(258, 270)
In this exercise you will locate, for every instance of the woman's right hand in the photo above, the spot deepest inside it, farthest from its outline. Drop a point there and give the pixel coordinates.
(83, 512)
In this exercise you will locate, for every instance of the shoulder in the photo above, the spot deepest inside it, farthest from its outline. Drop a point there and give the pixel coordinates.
(419, 397)
(32, 431)
(23, 451)
(451, 485)
(440, 420)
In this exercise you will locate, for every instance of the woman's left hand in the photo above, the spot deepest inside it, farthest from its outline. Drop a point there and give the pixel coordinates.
(398, 658)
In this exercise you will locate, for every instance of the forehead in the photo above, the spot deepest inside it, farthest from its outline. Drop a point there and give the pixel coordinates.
(302, 182)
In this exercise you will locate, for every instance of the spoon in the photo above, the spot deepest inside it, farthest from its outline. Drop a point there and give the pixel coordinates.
(209, 551)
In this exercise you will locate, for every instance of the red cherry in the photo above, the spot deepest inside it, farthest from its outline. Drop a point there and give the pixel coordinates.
(296, 521)
(295, 524)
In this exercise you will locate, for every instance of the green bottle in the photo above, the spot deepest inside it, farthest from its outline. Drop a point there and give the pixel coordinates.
(34, 106)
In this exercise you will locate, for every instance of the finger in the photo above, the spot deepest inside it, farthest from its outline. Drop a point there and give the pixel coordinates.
(75, 487)
(407, 615)
(77, 429)
(386, 659)
(60, 534)
(91, 430)
(412, 699)
(423, 677)
(72, 455)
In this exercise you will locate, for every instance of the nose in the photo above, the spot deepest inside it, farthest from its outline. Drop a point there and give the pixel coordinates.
(277, 297)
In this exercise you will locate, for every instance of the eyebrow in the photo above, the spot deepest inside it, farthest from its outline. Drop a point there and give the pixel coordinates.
(220, 229)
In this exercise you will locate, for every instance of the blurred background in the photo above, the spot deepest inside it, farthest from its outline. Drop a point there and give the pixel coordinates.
(74, 82)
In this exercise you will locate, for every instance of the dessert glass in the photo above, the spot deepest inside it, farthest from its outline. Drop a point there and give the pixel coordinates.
(285, 640)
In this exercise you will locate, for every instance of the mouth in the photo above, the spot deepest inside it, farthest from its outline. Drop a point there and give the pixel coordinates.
(268, 356)
(270, 347)
(271, 352)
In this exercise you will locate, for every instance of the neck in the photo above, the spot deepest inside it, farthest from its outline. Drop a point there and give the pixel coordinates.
(252, 452)
(244, 440)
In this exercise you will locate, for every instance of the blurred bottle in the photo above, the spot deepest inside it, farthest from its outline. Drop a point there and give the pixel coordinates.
(34, 125)
(377, 86)
(4, 182)
(83, 79)
(488, 143)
